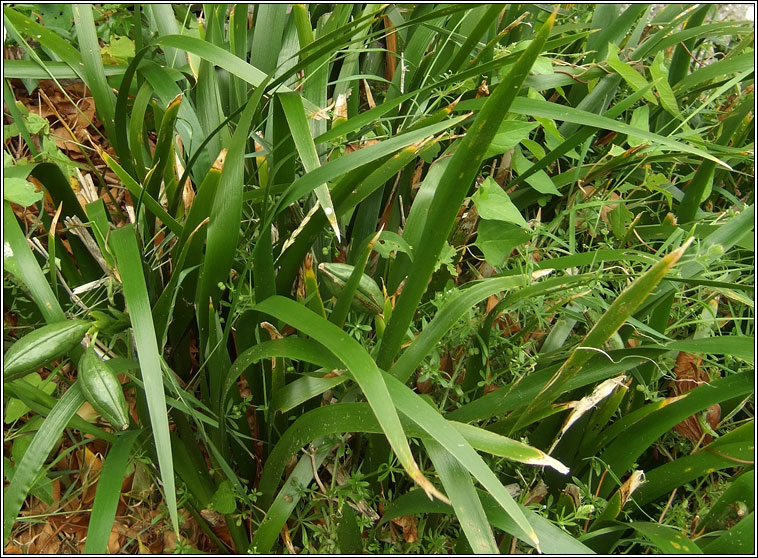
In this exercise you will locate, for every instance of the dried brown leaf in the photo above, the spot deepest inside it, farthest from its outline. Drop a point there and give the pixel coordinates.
(408, 524)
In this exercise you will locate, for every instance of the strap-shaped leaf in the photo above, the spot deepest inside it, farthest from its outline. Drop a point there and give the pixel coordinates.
(108, 494)
(36, 454)
(123, 243)
(363, 369)
(292, 103)
(459, 175)
(463, 498)
(618, 312)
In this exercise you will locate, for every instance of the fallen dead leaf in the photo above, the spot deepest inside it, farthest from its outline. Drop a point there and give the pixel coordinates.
(688, 376)
(537, 494)
(114, 541)
(408, 524)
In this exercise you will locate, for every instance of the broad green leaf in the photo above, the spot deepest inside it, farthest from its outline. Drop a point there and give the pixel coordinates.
(267, 39)
(347, 297)
(640, 119)
(389, 243)
(288, 497)
(301, 390)
(92, 63)
(629, 74)
(495, 444)
(493, 203)
(723, 453)
(682, 57)
(225, 215)
(740, 489)
(726, 66)
(41, 403)
(348, 532)
(222, 58)
(49, 38)
(660, 76)
(735, 345)
(16, 246)
(120, 50)
(497, 240)
(619, 218)
(739, 539)
(464, 499)
(34, 125)
(380, 176)
(29, 69)
(540, 181)
(20, 191)
(223, 500)
(16, 408)
(508, 136)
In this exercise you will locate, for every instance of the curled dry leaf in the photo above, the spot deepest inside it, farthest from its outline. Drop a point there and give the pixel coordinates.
(114, 542)
(581, 407)
(424, 384)
(482, 90)
(408, 524)
(635, 480)
(287, 540)
(537, 494)
(355, 146)
(688, 376)
(340, 105)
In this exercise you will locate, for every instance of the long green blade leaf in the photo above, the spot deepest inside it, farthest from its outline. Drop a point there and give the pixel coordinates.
(108, 494)
(363, 369)
(294, 110)
(123, 242)
(459, 175)
(463, 498)
(621, 309)
(36, 454)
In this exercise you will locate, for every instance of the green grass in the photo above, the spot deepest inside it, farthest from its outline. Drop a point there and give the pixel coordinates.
(554, 205)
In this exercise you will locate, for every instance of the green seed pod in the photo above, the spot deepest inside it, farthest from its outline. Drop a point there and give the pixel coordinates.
(42, 346)
(368, 297)
(102, 389)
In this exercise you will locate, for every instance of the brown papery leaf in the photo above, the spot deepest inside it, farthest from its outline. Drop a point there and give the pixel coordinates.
(688, 376)
(408, 524)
